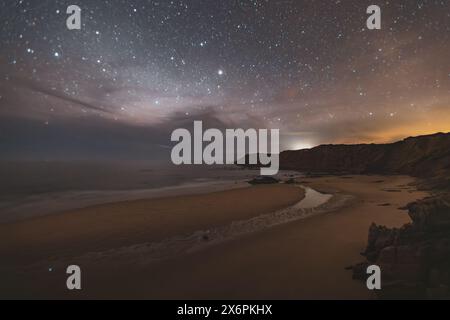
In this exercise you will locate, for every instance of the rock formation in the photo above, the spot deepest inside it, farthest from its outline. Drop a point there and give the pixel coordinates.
(415, 258)
(424, 156)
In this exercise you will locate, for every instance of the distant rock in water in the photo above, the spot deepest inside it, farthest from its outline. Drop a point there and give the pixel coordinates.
(263, 180)
(254, 157)
(290, 181)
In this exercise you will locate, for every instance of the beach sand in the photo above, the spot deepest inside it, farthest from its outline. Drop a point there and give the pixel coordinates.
(303, 259)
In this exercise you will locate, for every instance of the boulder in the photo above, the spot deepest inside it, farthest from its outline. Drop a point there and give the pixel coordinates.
(263, 180)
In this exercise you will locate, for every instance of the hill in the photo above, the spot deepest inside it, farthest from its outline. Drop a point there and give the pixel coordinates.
(426, 157)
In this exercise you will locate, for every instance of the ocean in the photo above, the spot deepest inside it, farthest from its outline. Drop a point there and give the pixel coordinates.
(37, 188)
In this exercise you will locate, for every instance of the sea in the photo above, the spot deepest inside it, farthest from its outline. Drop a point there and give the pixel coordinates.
(35, 188)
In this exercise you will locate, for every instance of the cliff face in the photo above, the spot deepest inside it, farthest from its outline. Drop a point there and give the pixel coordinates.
(424, 156)
(414, 259)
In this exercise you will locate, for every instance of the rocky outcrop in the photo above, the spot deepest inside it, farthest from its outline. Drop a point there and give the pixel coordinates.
(263, 180)
(415, 259)
(426, 157)
(431, 214)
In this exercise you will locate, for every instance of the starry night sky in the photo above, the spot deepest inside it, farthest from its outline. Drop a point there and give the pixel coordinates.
(138, 69)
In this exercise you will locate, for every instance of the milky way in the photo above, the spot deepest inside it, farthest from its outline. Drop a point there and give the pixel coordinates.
(138, 69)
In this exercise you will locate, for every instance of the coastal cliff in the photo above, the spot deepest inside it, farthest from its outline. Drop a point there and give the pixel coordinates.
(423, 156)
(415, 259)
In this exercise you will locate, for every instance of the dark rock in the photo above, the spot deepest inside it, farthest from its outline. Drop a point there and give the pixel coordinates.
(263, 180)
(438, 292)
(414, 259)
(379, 238)
(424, 156)
(360, 271)
(431, 213)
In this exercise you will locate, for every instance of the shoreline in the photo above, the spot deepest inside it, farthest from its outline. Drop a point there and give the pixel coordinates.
(59, 202)
(301, 259)
(198, 240)
(56, 202)
(111, 225)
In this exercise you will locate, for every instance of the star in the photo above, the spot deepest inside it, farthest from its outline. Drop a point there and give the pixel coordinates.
(245, 64)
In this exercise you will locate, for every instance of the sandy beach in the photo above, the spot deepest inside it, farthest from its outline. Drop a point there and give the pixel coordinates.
(300, 259)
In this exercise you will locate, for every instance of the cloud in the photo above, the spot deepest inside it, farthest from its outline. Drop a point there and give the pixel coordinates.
(40, 89)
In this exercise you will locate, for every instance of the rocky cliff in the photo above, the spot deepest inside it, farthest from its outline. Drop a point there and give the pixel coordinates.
(424, 156)
(414, 259)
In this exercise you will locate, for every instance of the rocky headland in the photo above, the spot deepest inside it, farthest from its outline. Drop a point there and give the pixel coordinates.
(414, 259)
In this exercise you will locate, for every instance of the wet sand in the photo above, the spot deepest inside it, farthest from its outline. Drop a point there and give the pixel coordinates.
(98, 228)
(302, 259)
